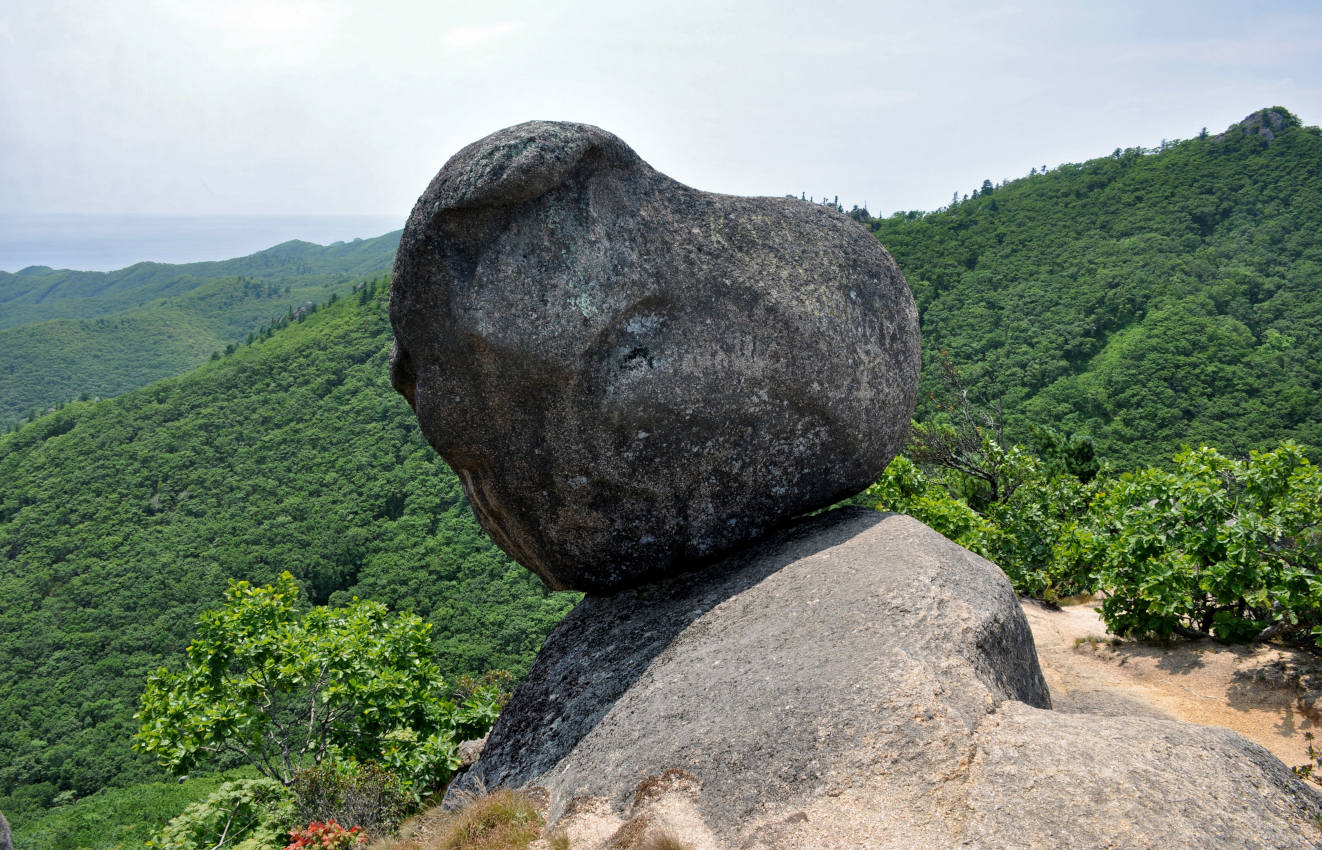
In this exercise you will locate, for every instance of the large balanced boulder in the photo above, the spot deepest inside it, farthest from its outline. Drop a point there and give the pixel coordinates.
(630, 375)
(855, 680)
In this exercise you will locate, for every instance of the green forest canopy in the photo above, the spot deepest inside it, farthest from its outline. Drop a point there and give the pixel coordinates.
(1151, 298)
(121, 520)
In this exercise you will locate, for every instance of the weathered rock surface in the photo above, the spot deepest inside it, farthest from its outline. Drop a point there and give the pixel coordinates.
(629, 374)
(1050, 779)
(6, 842)
(856, 680)
(470, 751)
(853, 646)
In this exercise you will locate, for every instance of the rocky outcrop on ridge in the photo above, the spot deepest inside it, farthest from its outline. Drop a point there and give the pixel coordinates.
(1267, 123)
(630, 375)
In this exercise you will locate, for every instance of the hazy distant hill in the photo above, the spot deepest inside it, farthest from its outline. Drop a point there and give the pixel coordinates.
(38, 293)
(121, 520)
(1149, 298)
(69, 334)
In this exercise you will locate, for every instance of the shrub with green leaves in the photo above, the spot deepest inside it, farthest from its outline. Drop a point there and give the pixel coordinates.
(1034, 533)
(246, 814)
(366, 796)
(905, 488)
(286, 687)
(1214, 546)
(1041, 537)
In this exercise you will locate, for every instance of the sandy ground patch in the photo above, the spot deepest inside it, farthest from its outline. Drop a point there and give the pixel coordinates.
(1251, 690)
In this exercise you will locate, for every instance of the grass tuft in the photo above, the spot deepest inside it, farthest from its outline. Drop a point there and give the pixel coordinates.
(501, 820)
(663, 839)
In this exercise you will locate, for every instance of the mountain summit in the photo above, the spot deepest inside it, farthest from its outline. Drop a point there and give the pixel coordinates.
(1265, 122)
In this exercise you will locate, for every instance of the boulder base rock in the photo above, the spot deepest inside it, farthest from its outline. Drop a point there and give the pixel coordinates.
(630, 375)
(1050, 779)
(856, 680)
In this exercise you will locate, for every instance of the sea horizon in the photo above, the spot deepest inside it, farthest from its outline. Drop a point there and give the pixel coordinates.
(96, 242)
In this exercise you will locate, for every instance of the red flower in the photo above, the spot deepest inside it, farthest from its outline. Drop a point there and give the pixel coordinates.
(326, 836)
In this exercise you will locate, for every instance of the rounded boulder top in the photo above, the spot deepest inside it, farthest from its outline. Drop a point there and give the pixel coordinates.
(631, 376)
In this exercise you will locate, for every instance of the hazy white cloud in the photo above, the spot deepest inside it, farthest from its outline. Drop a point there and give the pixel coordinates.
(264, 32)
(463, 38)
(350, 106)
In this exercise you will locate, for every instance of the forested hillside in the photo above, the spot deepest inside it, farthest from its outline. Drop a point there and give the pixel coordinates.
(1150, 298)
(120, 520)
(70, 334)
(1147, 298)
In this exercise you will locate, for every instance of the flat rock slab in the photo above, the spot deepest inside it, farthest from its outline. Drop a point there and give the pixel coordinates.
(1047, 779)
(630, 375)
(856, 680)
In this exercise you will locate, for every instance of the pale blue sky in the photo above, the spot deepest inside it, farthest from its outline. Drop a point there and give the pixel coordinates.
(293, 107)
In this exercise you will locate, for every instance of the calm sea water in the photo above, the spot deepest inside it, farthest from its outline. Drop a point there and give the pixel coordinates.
(103, 242)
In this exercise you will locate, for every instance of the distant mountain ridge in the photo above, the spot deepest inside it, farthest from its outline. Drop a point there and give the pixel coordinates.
(37, 293)
(75, 334)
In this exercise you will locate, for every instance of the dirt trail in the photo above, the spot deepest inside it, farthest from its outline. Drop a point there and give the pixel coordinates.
(1249, 690)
